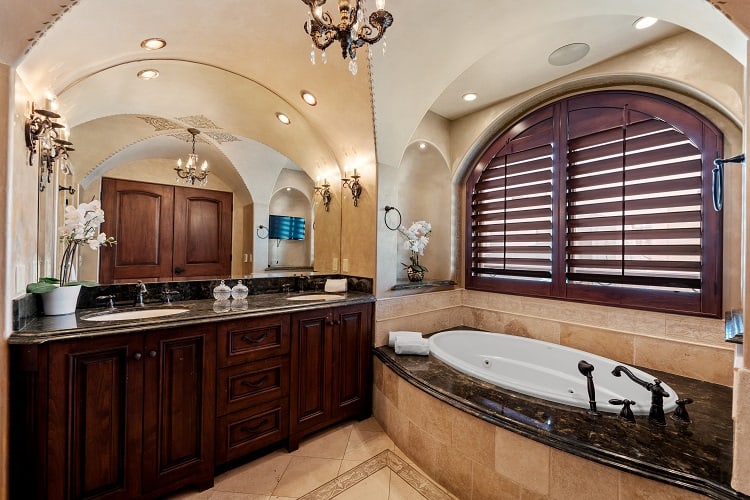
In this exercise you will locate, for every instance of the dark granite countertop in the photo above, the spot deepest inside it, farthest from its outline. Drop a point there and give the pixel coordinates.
(697, 456)
(50, 328)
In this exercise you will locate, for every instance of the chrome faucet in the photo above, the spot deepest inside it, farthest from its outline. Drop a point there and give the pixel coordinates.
(140, 292)
(656, 413)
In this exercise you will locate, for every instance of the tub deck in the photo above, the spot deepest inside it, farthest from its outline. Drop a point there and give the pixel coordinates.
(697, 456)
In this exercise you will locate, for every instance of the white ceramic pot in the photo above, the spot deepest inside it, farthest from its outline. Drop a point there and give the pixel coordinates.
(61, 300)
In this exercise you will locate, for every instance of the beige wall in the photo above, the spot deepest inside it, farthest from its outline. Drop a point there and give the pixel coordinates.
(5, 311)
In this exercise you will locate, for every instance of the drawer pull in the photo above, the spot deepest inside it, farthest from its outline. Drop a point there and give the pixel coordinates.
(259, 383)
(248, 429)
(255, 340)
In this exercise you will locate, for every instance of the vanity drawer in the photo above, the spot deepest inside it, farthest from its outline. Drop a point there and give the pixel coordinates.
(252, 339)
(243, 432)
(247, 385)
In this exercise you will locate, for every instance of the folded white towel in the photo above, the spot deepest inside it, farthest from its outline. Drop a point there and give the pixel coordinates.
(335, 285)
(410, 335)
(409, 345)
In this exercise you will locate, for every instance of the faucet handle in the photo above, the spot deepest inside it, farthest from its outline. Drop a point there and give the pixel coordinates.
(626, 413)
(109, 298)
(681, 414)
(167, 295)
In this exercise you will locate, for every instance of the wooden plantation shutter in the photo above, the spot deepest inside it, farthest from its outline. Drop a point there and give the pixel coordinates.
(633, 221)
(511, 209)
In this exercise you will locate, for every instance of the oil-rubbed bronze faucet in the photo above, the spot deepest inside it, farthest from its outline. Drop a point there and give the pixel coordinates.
(656, 413)
(586, 368)
(140, 292)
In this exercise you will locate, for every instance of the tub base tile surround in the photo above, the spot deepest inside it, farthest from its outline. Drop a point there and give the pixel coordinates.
(475, 459)
(690, 346)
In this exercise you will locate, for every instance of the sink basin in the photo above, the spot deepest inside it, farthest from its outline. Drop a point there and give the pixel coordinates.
(317, 296)
(134, 314)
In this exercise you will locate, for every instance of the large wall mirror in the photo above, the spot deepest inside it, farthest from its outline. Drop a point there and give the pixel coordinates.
(268, 166)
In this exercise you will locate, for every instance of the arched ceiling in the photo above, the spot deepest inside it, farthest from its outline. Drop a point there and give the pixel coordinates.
(237, 62)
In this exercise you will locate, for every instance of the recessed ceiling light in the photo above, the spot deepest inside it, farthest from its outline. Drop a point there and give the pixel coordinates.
(283, 118)
(471, 96)
(148, 74)
(644, 22)
(568, 54)
(308, 98)
(153, 43)
(422, 145)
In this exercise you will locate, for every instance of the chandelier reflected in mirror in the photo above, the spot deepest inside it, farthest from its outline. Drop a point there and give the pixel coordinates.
(354, 30)
(190, 173)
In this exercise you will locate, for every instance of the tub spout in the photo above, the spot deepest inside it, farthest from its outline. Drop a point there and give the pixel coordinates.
(586, 368)
(656, 413)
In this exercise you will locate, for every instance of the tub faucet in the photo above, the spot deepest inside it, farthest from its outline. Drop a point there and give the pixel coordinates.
(140, 292)
(656, 413)
(586, 368)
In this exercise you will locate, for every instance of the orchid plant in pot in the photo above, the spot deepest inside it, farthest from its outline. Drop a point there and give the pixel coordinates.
(417, 236)
(81, 227)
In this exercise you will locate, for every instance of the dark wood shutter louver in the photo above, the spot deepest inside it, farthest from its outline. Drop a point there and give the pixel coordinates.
(603, 197)
(511, 219)
(634, 206)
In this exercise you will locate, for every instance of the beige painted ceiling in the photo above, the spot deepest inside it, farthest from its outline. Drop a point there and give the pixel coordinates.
(235, 63)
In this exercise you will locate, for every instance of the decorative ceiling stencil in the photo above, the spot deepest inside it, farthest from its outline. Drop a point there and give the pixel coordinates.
(38, 34)
(222, 137)
(198, 121)
(160, 123)
(187, 137)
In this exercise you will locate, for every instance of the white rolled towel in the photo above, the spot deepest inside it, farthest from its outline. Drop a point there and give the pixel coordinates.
(410, 335)
(335, 285)
(409, 345)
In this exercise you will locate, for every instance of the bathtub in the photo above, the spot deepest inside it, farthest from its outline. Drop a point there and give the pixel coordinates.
(543, 370)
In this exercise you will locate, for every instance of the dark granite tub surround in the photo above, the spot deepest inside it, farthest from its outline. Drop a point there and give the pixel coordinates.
(72, 326)
(28, 307)
(697, 456)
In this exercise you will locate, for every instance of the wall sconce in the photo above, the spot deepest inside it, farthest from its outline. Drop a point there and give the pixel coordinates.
(42, 137)
(324, 190)
(353, 185)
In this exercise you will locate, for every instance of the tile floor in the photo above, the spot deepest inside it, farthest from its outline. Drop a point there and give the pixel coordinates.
(355, 460)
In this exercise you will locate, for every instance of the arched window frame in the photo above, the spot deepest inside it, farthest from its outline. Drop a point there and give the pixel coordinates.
(548, 254)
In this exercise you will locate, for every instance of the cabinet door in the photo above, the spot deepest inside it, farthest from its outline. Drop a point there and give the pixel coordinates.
(310, 401)
(94, 419)
(139, 215)
(202, 233)
(351, 360)
(178, 408)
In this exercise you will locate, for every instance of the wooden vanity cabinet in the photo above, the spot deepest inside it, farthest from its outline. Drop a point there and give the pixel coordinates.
(252, 390)
(121, 416)
(330, 368)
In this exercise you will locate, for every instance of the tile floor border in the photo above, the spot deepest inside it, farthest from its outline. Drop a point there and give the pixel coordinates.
(387, 458)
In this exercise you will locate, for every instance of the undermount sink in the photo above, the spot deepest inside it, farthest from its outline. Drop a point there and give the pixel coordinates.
(317, 296)
(135, 314)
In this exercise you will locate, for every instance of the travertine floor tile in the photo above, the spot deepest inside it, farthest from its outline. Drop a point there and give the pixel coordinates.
(305, 474)
(374, 487)
(366, 444)
(401, 490)
(259, 477)
(327, 444)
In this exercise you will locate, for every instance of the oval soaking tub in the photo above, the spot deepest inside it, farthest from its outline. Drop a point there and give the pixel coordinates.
(543, 370)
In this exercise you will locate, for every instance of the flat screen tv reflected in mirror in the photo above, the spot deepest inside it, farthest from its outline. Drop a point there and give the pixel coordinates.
(285, 227)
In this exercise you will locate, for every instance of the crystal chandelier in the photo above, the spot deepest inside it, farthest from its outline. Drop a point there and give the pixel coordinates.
(352, 32)
(190, 173)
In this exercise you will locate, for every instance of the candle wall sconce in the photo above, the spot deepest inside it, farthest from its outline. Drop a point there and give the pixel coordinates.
(324, 190)
(353, 185)
(43, 141)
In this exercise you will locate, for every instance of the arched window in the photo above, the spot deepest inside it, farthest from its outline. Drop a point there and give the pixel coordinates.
(603, 197)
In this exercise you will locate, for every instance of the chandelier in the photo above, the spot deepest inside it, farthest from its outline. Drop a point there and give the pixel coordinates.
(352, 32)
(191, 173)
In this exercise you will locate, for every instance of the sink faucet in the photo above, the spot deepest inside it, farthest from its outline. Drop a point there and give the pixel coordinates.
(140, 291)
(656, 413)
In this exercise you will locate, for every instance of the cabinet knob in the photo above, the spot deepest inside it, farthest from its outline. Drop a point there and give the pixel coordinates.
(137, 356)
(178, 270)
(151, 354)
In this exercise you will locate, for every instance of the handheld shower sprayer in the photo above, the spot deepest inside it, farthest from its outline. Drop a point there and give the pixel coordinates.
(717, 179)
